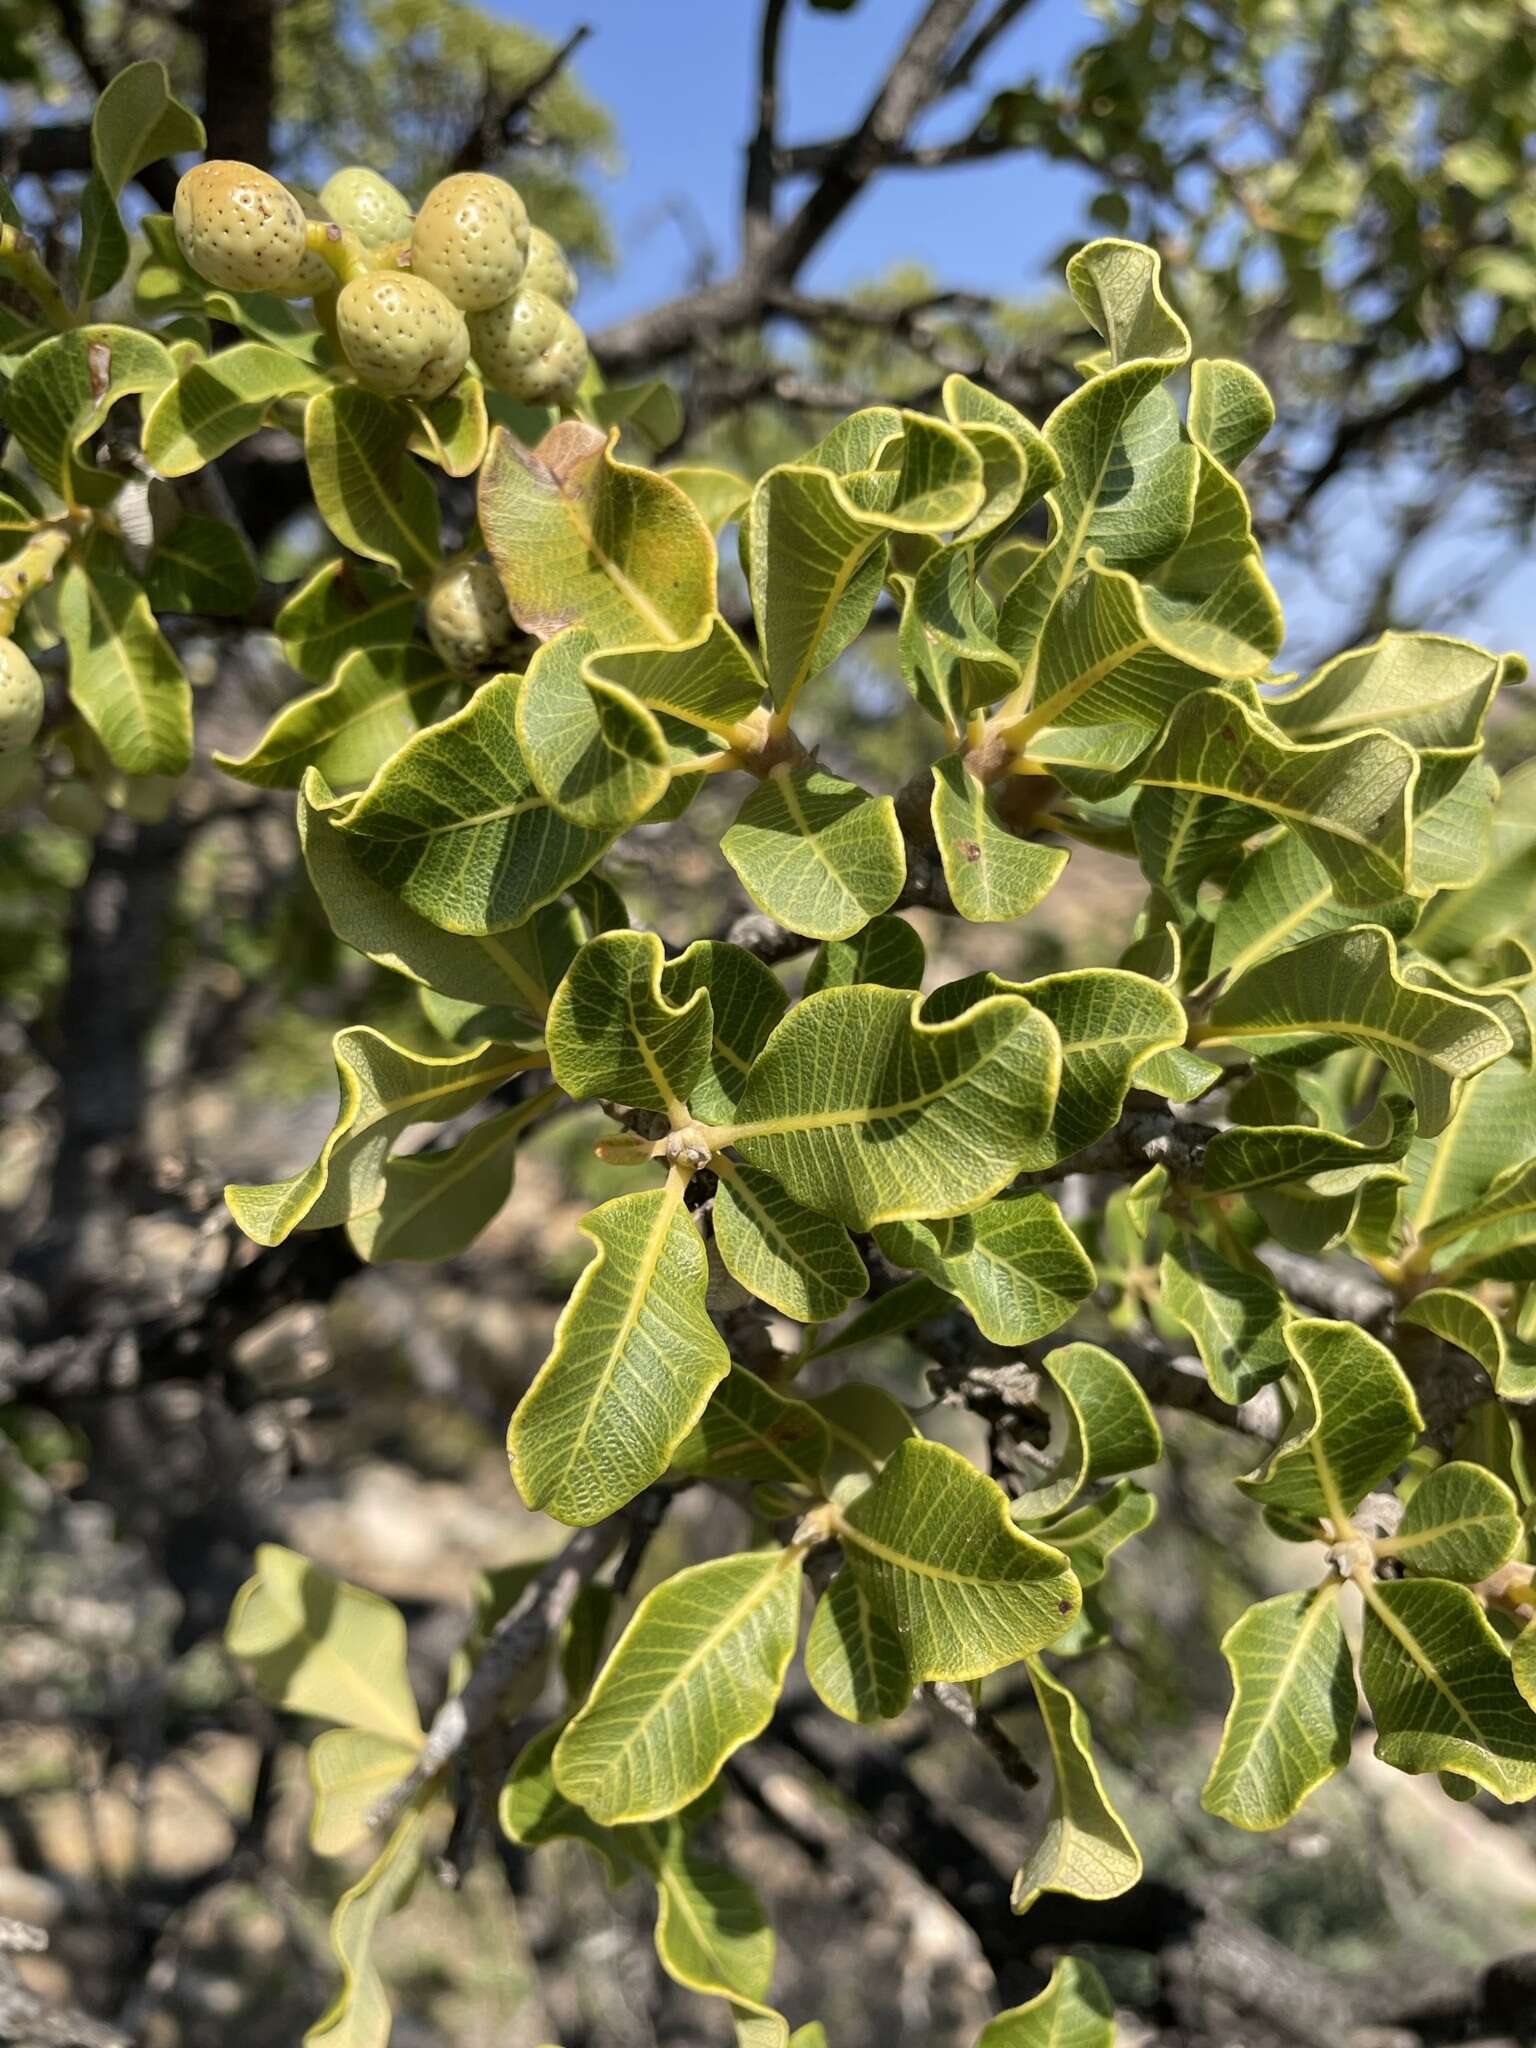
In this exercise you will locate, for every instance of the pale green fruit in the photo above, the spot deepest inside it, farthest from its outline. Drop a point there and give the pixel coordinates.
(471, 240)
(530, 348)
(548, 269)
(21, 699)
(239, 228)
(368, 204)
(400, 334)
(467, 617)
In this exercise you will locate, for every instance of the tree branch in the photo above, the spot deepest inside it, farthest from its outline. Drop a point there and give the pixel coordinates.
(498, 117)
(762, 157)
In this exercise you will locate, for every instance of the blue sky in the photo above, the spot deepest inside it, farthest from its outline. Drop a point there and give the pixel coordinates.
(679, 77)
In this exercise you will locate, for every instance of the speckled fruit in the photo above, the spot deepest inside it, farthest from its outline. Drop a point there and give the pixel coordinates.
(467, 617)
(239, 228)
(548, 269)
(21, 699)
(400, 334)
(359, 199)
(530, 348)
(471, 240)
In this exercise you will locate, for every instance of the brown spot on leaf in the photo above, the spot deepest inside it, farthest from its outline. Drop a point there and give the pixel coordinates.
(968, 848)
(98, 365)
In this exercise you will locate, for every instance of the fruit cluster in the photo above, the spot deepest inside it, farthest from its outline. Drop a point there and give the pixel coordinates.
(408, 298)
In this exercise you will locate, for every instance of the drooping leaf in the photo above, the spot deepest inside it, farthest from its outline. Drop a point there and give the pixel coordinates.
(138, 120)
(1355, 1419)
(709, 681)
(1013, 1262)
(1109, 1428)
(350, 1770)
(382, 1088)
(1461, 1522)
(454, 825)
(634, 1360)
(1247, 1157)
(951, 1107)
(123, 673)
(866, 1426)
(453, 431)
(345, 606)
(1085, 1849)
(752, 1431)
(1471, 1325)
(1293, 1708)
(217, 401)
(435, 1205)
(1441, 1689)
(318, 1646)
(711, 1932)
(1183, 837)
(532, 1809)
(1234, 1313)
(359, 2016)
(368, 491)
(804, 1265)
(1087, 1536)
(1347, 985)
(582, 539)
(1073, 2011)
(900, 1308)
(1281, 896)
(612, 1030)
(854, 1658)
(819, 854)
(746, 1000)
(964, 1591)
(718, 495)
(695, 1675)
(993, 874)
(949, 656)
(1430, 690)
(378, 699)
(204, 566)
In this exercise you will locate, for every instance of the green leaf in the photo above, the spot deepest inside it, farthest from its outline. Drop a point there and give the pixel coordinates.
(378, 699)
(1461, 1319)
(709, 681)
(1013, 1262)
(717, 495)
(695, 1675)
(1460, 1523)
(804, 1265)
(123, 673)
(866, 1426)
(595, 752)
(137, 121)
(1246, 1157)
(1085, 1850)
(1440, 1687)
(949, 656)
(711, 1934)
(1281, 896)
(204, 566)
(344, 607)
(1500, 899)
(217, 401)
(349, 1772)
(1108, 1022)
(435, 1204)
(1293, 1708)
(1018, 464)
(888, 952)
(1355, 1419)
(359, 2016)
(1073, 2011)
(383, 1088)
(581, 539)
(532, 1809)
(1109, 1428)
(453, 431)
(854, 1658)
(746, 999)
(1230, 411)
(652, 408)
(454, 825)
(1347, 985)
(320, 1647)
(1431, 691)
(1346, 800)
(751, 1431)
(368, 491)
(519, 968)
(613, 1031)
(865, 1111)
(1523, 1663)
(1506, 1199)
(62, 392)
(993, 875)
(634, 1360)
(817, 564)
(900, 1308)
(819, 854)
(104, 248)
(964, 1591)
(1235, 1314)
(1090, 1534)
